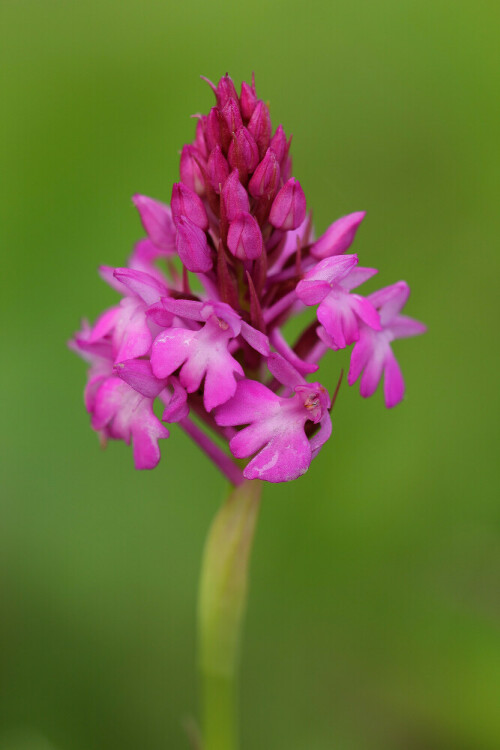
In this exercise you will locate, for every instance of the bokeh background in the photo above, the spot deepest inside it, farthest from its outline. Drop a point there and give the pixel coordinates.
(375, 603)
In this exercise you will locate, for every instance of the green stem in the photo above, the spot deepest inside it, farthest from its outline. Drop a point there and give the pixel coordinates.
(221, 607)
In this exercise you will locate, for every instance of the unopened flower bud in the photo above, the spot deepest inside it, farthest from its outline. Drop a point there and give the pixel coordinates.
(286, 167)
(338, 237)
(244, 238)
(225, 91)
(234, 196)
(289, 207)
(243, 152)
(217, 169)
(156, 219)
(232, 115)
(212, 129)
(278, 143)
(266, 177)
(248, 100)
(192, 246)
(185, 202)
(199, 140)
(260, 127)
(190, 171)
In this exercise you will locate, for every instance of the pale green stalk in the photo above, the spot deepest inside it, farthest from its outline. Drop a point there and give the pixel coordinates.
(222, 602)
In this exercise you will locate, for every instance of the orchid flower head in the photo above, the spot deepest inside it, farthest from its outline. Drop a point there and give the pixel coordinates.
(205, 297)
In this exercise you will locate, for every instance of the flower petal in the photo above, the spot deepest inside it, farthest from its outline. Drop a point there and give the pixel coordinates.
(365, 311)
(170, 350)
(390, 300)
(394, 385)
(139, 376)
(283, 348)
(183, 308)
(332, 269)
(252, 400)
(312, 292)
(124, 415)
(255, 338)
(283, 371)
(286, 456)
(356, 277)
(319, 438)
(105, 324)
(339, 320)
(175, 399)
(339, 236)
(403, 327)
(359, 357)
(373, 370)
(220, 382)
(145, 286)
(156, 219)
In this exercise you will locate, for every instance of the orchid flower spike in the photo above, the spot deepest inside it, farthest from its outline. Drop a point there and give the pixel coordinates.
(237, 225)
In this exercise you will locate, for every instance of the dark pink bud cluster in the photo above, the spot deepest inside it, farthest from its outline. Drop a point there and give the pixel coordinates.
(237, 221)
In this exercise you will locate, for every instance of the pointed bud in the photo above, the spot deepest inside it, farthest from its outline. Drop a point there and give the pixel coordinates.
(289, 207)
(234, 196)
(243, 152)
(278, 143)
(192, 246)
(232, 116)
(156, 219)
(286, 168)
(185, 202)
(260, 127)
(266, 177)
(212, 129)
(190, 171)
(199, 140)
(217, 169)
(244, 238)
(225, 91)
(248, 100)
(338, 237)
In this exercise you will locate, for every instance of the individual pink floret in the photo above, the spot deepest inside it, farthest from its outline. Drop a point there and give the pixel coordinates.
(341, 313)
(139, 375)
(373, 356)
(118, 411)
(121, 413)
(276, 424)
(203, 354)
(127, 324)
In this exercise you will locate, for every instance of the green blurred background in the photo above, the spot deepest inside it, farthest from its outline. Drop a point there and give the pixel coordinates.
(375, 607)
